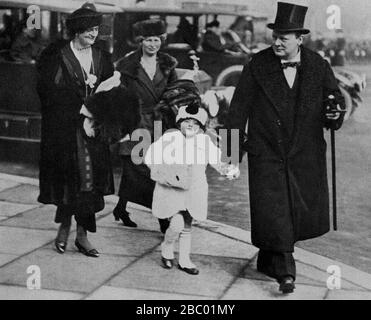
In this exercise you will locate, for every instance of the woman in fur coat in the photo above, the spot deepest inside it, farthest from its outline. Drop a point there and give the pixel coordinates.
(145, 72)
(75, 170)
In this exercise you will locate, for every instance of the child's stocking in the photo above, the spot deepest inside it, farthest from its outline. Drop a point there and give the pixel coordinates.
(171, 235)
(185, 249)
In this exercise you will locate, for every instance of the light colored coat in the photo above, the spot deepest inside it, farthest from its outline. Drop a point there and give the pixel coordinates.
(171, 151)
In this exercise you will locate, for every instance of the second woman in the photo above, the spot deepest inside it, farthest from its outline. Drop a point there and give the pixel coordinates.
(146, 72)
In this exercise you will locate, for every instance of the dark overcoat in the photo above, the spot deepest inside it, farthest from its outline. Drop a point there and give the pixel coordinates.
(148, 91)
(62, 92)
(136, 184)
(289, 197)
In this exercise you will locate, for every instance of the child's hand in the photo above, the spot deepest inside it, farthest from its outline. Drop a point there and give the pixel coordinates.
(233, 172)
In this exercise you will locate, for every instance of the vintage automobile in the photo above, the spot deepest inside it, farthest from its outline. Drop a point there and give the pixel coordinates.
(224, 68)
(186, 26)
(19, 102)
(351, 85)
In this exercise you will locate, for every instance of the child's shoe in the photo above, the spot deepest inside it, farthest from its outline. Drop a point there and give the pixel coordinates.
(192, 270)
(167, 263)
(167, 255)
(185, 263)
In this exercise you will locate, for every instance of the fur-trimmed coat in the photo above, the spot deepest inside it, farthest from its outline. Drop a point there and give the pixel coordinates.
(187, 161)
(289, 197)
(116, 112)
(148, 91)
(62, 92)
(136, 185)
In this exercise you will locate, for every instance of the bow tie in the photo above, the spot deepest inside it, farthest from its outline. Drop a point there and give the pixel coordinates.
(285, 65)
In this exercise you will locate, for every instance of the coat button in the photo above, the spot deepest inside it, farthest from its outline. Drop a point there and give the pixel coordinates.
(278, 123)
(279, 141)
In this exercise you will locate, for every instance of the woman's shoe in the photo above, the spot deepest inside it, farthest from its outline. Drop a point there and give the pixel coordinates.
(167, 263)
(60, 241)
(287, 285)
(124, 216)
(90, 253)
(60, 246)
(192, 271)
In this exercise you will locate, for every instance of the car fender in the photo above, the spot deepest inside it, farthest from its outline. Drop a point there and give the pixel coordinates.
(220, 80)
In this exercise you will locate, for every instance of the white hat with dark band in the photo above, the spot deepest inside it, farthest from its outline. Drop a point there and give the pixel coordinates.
(192, 111)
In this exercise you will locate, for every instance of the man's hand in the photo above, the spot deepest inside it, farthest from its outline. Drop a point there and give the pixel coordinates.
(333, 116)
(333, 109)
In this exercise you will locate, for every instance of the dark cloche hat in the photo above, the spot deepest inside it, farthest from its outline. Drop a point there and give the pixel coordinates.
(290, 18)
(149, 28)
(214, 23)
(83, 18)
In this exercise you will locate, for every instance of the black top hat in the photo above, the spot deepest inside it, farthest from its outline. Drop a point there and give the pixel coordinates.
(149, 28)
(290, 18)
(83, 18)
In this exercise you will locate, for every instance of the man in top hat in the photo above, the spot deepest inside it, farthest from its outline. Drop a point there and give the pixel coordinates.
(281, 93)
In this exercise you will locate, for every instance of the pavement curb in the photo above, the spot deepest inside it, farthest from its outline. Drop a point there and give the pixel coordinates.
(351, 274)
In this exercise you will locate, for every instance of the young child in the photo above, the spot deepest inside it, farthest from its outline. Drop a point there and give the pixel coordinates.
(178, 162)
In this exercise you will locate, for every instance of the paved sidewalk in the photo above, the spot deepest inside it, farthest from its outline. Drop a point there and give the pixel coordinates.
(129, 266)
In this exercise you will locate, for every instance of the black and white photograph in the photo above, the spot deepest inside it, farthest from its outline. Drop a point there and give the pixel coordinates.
(185, 156)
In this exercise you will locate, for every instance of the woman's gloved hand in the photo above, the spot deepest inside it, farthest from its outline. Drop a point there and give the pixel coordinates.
(89, 127)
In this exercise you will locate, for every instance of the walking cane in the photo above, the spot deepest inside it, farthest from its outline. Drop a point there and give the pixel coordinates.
(333, 162)
(333, 106)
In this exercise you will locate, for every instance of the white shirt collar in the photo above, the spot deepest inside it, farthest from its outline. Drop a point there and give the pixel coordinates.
(294, 59)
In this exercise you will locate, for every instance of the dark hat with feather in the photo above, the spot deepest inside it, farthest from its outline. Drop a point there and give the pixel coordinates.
(83, 18)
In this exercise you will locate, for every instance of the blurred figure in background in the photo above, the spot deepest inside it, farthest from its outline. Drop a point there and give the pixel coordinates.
(27, 45)
(213, 40)
(185, 33)
(7, 32)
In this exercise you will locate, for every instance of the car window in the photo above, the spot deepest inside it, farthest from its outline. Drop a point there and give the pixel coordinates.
(183, 32)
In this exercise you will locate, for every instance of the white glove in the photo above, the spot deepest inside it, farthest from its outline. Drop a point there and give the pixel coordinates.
(89, 127)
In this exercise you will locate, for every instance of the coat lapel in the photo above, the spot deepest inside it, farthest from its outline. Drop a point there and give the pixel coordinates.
(270, 76)
(307, 82)
(74, 68)
(272, 79)
(73, 65)
(144, 79)
(131, 67)
(96, 63)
